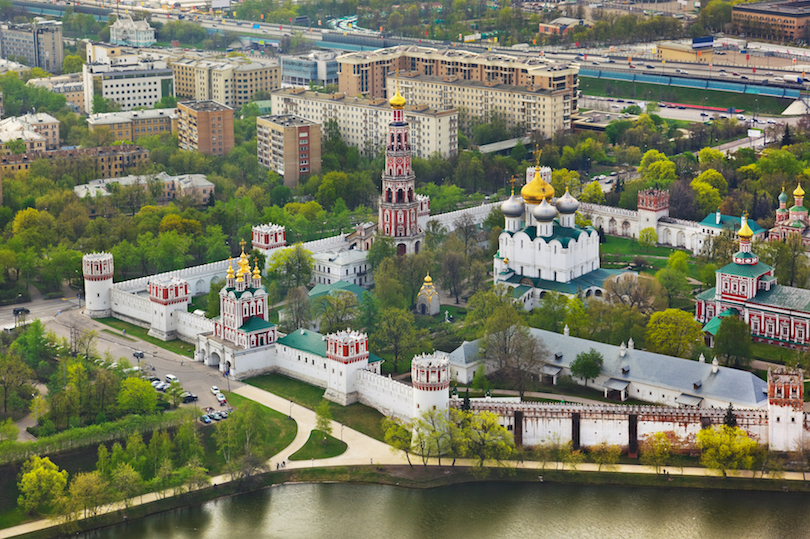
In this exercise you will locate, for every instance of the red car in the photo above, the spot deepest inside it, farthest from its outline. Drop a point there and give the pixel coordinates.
(632, 66)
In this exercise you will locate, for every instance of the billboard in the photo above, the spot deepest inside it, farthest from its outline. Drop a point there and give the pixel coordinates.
(703, 42)
(220, 4)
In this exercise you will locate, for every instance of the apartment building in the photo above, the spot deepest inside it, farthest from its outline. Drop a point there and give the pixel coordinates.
(128, 80)
(231, 81)
(363, 123)
(785, 20)
(545, 108)
(195, 186)
(106, 161)
(125, 31)
(205, 126)
(318, 67)
(134, 124)
(39, 131)
(70, 86)
(289, 145)
(39, 44)
(365, 72)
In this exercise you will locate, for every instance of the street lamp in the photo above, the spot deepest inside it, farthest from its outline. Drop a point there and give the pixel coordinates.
(289, 416)
(341, 433)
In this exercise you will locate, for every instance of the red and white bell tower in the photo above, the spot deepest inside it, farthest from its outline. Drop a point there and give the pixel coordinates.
(399, 205)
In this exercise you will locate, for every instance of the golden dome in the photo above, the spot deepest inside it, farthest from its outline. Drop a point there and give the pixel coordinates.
(745, 231)
(256, 273)
(398, 102)
(536, 190)
(230, 269)
(798, 192)
(428, 279)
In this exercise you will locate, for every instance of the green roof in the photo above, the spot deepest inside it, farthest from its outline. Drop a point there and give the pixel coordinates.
(707, 294)
(730, 222)
(714, 324)
(373, 359)
(518, 291)
(562, 234)
(798, 208)
(745, 270)
(323, 289)
(786, 297)
(254, 323)
(251, 290)
(306, 341)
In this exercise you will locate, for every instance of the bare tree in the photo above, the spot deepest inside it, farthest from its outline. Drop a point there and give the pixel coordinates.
(640, 291)
(298, 311)
(466, 230)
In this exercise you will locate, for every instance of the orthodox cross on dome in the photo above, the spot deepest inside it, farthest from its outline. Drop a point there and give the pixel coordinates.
(512, 181)
(242, 244)
(537, 152)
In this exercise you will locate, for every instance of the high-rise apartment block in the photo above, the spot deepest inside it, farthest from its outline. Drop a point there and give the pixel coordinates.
(363, 123)
(205, 126)
(230, 81)
(524, 89)
(290, 146)
(36, 45)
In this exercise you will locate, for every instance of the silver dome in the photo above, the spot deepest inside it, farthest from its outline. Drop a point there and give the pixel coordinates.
(567, 203)
(512, 207)
(544, 212)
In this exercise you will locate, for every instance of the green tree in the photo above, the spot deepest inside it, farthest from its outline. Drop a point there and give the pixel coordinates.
(593, 194)
(88, 492)
(16, 147)
(647, 238)
(323, 419)
(335, 311)
(605, 455)
(291, 267)
(72, 64)
(733, 342)
(126, 484)
(14, 376)
(397, 333)
(726, 449)
(730, 420)
(8, 430)
(137, 396)
(175, 393)
(587, 365)
(480, 378)
(398, 436)
(41, 483)
(382, 248)
(657, 449)
(550, 313)
(673, 332)
(707, 275)
(297, 311)
(487, 440)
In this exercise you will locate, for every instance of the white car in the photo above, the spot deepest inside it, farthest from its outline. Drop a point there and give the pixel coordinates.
(221, 398)
(214, 390)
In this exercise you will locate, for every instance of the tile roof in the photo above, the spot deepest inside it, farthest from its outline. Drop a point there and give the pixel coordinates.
(730, 222)
(786, 297)
(321, 289)
(707, 294)
(741, 388)
(745, 270)
(306, 341)
(591, 279)
(254, 323)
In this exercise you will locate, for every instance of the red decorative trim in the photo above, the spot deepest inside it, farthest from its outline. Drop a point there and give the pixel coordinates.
(431, 386)
(103, 277)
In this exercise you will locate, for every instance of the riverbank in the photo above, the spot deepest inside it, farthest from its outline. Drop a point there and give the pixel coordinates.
(420, 477)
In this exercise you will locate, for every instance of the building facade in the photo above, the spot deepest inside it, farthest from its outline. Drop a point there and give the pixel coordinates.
(350, 265)
(784, 20)
(363, 123)
(290, 146)
(562, 25)
(129, 81)
(106, 161)
(747, 288)
(366, 72)
(399, 203)
(542, 108)
(70, 86)
(39, 131)
(793, 221)
(232, 81)
(125, 31)
(133, 124)
(317, 67)
(205, 126)
(194, 186)
(39, 44)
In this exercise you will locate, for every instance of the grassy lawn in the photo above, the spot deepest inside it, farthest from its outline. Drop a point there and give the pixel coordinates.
(118, 334)
(177, 346)
(691, 96)
(282, 428)
(628, 246)
(357, 416)
(317, 448)
(770, 352)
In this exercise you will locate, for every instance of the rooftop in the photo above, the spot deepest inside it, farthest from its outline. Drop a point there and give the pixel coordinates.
(777, 8)
(785, 297)
(595, 278)
(356, 101)
(457, 82)
(730, 222)
(346, 256)
(743, 389)
(127, 116)
(203, 106)
(288, 120)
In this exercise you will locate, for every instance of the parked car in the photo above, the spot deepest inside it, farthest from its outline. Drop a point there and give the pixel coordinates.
(221, 398)
(224, 414)
(18, 311)
(137, 354)
(171, 378)
(741, 117)
(205, 419)
(153, 379)
(703, 114)
(189, 397)
(214, 390)
(156, 382)
(215, 416)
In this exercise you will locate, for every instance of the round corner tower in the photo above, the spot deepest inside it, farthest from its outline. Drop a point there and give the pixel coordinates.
(347, 353)
(98, 280)
(430, 374)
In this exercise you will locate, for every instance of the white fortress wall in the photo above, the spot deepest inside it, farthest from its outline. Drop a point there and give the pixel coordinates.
(190, 325)
(305, 366)
(388, 396)
(131, 308)
(478, 214)
(198, 277)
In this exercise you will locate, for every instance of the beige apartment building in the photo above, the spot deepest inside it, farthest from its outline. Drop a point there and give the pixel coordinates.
(70, 86)
(231, 82)
(536, 108)
(205, 126)
(363, 123)
(39, 131)
(289, 145)
(107, 161)
(134, 124)
(365, 72)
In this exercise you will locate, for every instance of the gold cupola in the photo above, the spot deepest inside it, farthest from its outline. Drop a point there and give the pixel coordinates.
(798, 192)
(745, 231)
(536, 190)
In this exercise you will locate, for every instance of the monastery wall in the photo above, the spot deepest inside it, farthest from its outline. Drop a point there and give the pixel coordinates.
(198, 277)
(390, 397)
(131, 308)
(307, 367)
(478, 214)
(190, 325)
(540, 423)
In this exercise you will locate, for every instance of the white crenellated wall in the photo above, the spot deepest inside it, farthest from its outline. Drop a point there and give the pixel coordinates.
(304, 366)
(478, 214)
(132, 307)
(190, 325)
(390, 397)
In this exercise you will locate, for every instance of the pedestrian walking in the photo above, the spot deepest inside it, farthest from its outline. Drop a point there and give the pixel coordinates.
(181, 362)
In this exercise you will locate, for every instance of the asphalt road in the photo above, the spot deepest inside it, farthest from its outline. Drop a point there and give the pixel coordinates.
(193, 376)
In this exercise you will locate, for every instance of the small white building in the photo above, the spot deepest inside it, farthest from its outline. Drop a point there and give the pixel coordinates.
(125, 31)
(128, 80)
(349, 265)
